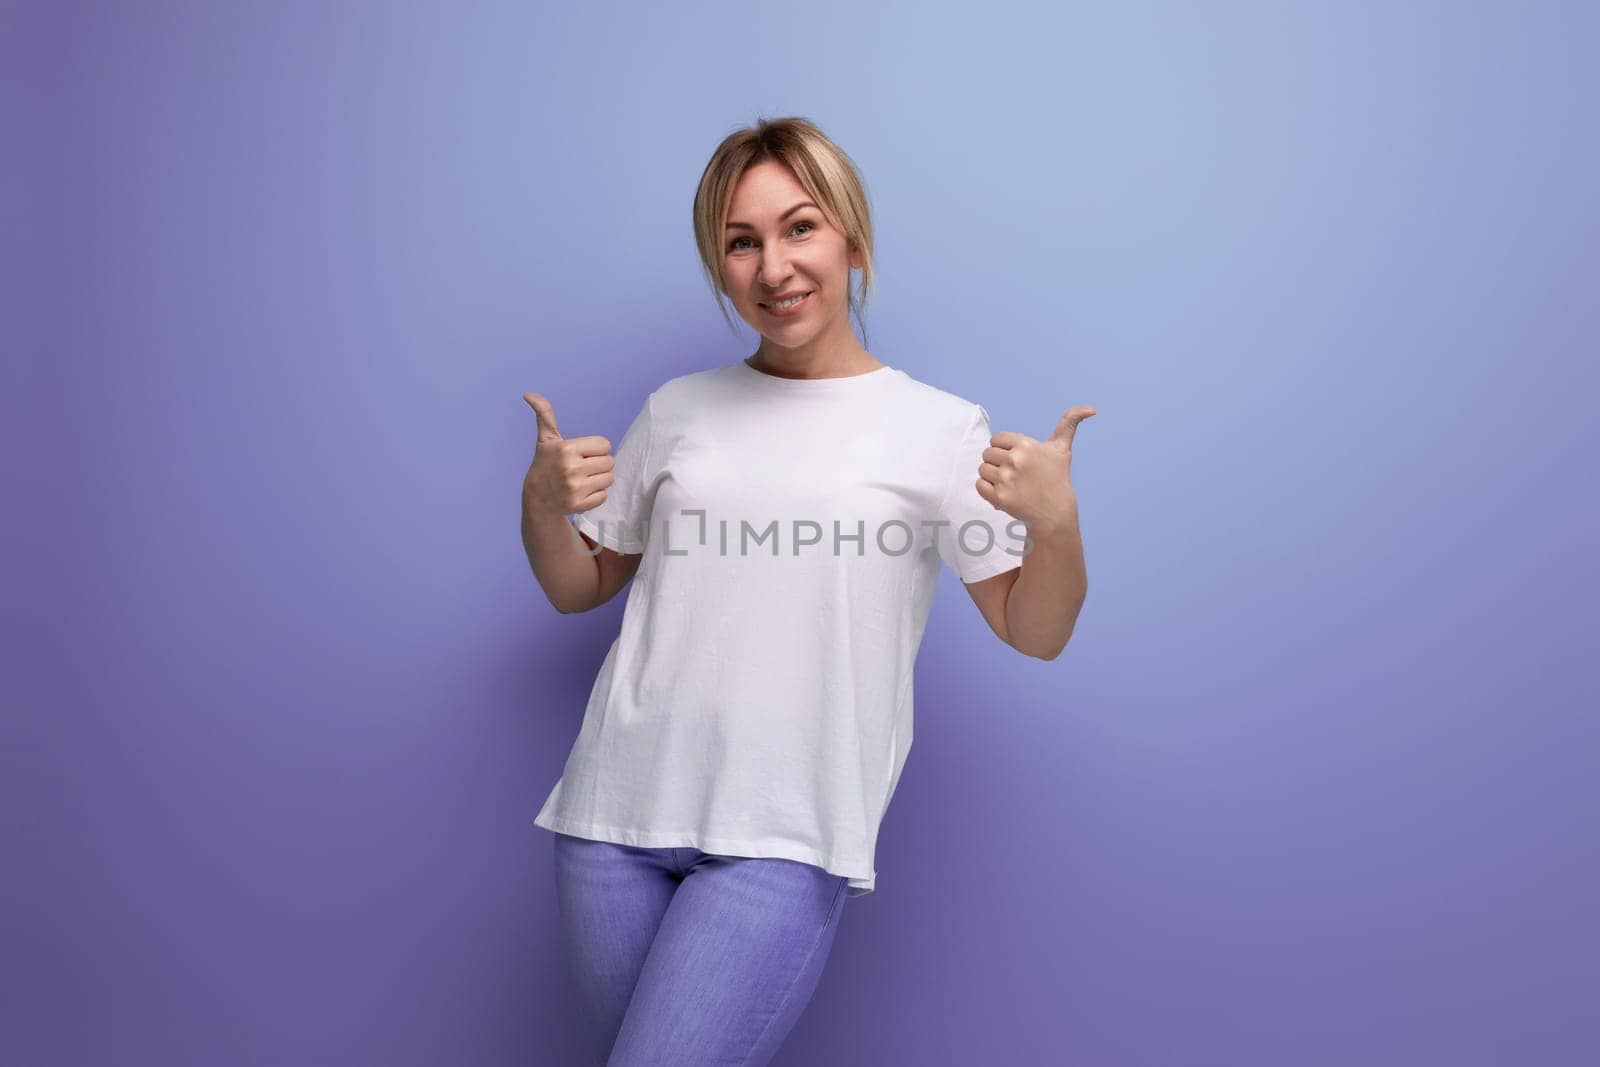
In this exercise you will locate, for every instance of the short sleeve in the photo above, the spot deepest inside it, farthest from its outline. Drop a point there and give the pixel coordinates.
(975, 538)
(620, 522)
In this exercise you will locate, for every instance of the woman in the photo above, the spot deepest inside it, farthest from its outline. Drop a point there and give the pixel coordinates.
(783, 520)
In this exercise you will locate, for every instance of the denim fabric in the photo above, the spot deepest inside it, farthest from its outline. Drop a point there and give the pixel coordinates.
(685, 957)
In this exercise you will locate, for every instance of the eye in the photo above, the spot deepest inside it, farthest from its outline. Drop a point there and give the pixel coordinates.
(733, 245)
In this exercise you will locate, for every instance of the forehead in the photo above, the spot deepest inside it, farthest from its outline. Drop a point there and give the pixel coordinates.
(766, 188)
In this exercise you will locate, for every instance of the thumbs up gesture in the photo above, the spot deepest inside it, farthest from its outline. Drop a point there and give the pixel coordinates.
(1030, 479)
(567, 475)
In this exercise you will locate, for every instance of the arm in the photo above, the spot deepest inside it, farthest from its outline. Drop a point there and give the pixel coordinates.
(572, 578)
(569, 475)
(1035, 607)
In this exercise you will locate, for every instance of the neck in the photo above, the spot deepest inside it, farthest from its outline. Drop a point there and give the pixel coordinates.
(833, 353)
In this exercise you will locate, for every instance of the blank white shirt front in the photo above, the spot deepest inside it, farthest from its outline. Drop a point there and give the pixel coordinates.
(758, 699)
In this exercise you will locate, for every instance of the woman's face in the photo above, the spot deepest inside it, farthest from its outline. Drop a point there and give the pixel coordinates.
(778, 244)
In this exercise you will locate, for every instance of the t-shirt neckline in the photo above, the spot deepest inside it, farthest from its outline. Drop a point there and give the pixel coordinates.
(813, 383)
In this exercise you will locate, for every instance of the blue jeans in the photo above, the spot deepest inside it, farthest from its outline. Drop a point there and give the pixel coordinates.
(685, 957)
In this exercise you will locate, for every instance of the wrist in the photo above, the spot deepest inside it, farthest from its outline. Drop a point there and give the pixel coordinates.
(1056, 530)
(538, 509)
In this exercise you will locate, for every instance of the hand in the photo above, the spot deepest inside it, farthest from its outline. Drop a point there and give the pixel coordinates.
(566, 476)
(1031, 480)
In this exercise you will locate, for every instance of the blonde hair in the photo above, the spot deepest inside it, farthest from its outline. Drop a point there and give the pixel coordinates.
(821, 167)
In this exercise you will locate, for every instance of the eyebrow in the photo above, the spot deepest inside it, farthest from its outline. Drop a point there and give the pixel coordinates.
(786, 214)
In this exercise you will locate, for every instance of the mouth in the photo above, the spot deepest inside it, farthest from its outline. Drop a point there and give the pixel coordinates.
(786, 306)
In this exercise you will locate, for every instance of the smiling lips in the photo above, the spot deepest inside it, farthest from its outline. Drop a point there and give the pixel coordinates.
(785, 305)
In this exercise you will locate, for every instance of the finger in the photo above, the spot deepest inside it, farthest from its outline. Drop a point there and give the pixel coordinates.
(1008, 439)
(998, 456)
(1067, 425)
(591, 445)
(592, 465)
(989, 472)
(596, 482)
(546, 416)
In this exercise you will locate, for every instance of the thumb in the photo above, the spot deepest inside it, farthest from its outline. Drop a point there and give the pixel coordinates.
(546, 416)
(1067, 426)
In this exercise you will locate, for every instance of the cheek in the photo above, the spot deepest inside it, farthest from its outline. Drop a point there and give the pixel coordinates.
(738, 273)
(830, 265)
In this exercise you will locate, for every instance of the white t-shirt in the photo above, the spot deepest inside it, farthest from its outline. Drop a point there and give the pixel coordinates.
(758, 700)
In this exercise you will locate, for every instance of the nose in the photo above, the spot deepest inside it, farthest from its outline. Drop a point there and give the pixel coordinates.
(774, 269)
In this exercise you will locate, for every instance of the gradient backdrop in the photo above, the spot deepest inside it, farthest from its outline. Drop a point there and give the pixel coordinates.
(1315, 781)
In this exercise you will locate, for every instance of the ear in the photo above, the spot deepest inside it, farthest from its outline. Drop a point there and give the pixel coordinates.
(857, 258)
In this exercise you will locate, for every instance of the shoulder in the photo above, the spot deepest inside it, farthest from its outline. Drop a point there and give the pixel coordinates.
(938, 409)
(690, 390)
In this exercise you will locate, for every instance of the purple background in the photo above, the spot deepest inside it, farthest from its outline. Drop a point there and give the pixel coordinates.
(1314, 782)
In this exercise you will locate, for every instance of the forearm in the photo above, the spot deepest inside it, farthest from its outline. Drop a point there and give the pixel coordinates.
(1043, 605)
(569, 576)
